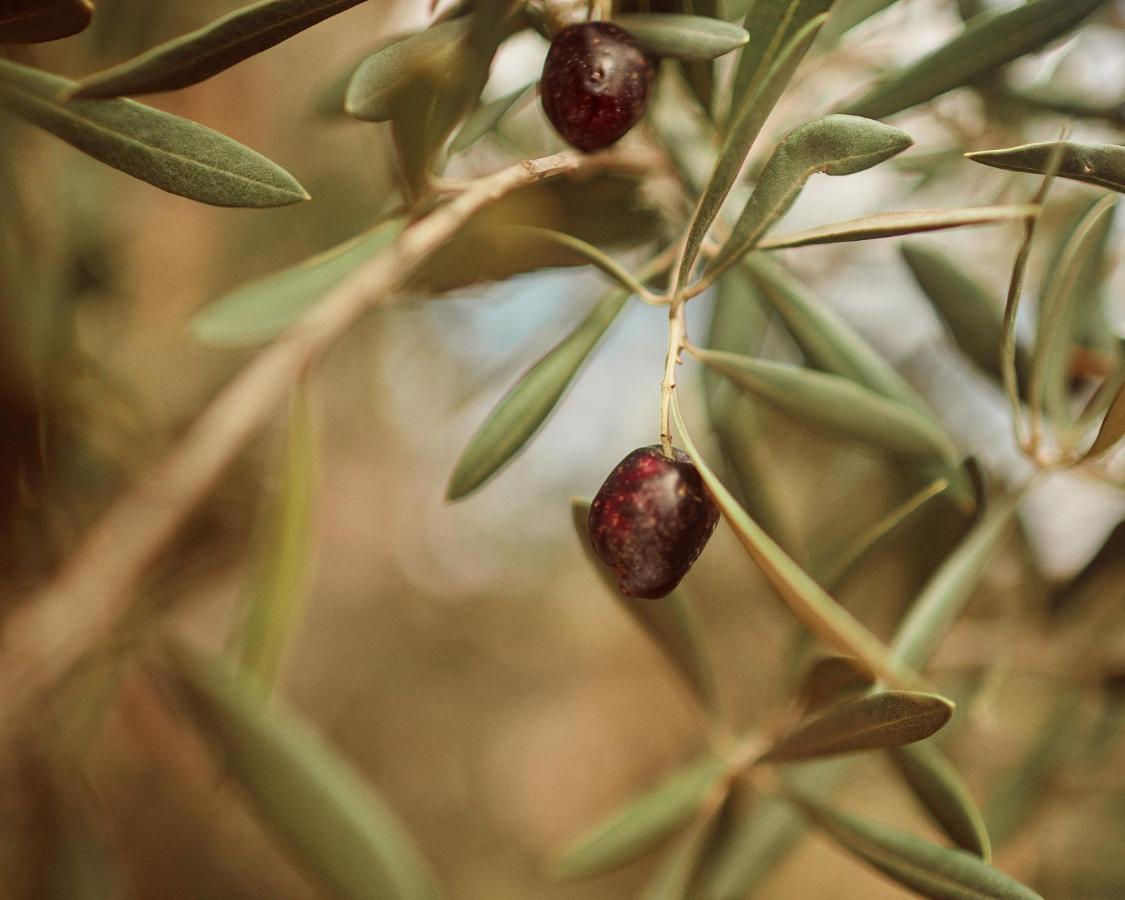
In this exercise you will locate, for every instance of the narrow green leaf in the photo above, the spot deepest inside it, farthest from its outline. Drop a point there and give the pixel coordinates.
(944, 597)
(822, 615)
(36, 21)
(671, 623)
(380, 88)
(303, 790)
(835, 404)
(883, 719)
(747, 120)
(171, 153)
(829, 679)
(527, 405)
(1100, 164)
(939, 788)
(1113, 425)
(263, 309)
(673, 878)
(971, 313)
(774, 25)
(486, 118)
(197, 56)
(683, 37)
(851, 13)
(988, 42)
(271, 604)
(931, 870)
(894, 224)
(834, 145)
(1056, 309)
(1104, 398)
(644, 821)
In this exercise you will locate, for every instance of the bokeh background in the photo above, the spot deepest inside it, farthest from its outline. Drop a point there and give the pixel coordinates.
(464, 657)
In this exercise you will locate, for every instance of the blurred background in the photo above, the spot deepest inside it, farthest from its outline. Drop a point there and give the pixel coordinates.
(464, 657)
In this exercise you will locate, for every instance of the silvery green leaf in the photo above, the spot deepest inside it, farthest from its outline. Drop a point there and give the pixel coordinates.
(173, 154)
(302, 789)
(263, 309)
(1099, 164)
(834, 145)
(683, 37)
(929, 869)
(988, 42)
(36, 21)
(211, 49)
(644, 821)
(830, 679)
(486, 118)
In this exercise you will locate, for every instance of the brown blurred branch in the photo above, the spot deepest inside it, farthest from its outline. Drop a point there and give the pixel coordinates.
(53, 628)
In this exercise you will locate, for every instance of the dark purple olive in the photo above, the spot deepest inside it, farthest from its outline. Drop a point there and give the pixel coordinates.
(650, 521)
(596, 84)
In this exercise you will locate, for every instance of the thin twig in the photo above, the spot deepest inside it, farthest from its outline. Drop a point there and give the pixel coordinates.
(53, 628)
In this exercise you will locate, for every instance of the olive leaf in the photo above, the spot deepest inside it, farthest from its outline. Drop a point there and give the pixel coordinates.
(971, 313)
(683, 37)
(929, 869)
(293, 778)
(211, 49)
(829, 679)
(673, 877)
(747, 119)
(808, 601)
(948, 590)
(883, 719)
(936, 784)
(1099, 164)
(671, 623)
(835, 404)
(834, 145)
(527, 405)
(486, 118)
(264, 308)
(173, 154)
(894, 224)
(775, 24)
(989, 41)
(852, 13)
(644, 821)
(1113, 425)
(36, 21)
(271, 605)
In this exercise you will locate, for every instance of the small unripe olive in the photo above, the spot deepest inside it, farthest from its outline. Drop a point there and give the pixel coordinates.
(596, 84)
(650, 521)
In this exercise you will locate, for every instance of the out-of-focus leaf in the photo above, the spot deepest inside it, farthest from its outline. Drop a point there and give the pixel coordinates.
(883, 719)
(1066, 103)
(1100, 164)
(773, 25)
(834, 145)
(840, 562)
(271, 603)
(969, 310)
(82, 866)
(683, 37)
(939, 788)
(988, 42)
(527, 405)
(171, 153)
(931, 870)
(831, 344)
(747, 118)
(486, 119)
(209, 50)
(644, 821)
(822, 615)
(894, 224)
(303, 790)
(671, 623)
(36, 21)
(1113, 425)
(829, 679)
(851, 13)
(835, 404)
(263, 309)
(673, 878)
(949, 588)
(1056, 309)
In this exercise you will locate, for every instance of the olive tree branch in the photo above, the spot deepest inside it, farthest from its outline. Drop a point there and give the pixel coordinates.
(52, 629)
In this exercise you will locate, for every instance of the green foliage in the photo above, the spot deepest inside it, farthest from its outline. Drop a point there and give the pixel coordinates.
(683, 37)
(36, 21)
(1098, 164)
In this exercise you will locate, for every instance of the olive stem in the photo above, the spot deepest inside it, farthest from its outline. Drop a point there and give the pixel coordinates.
(677, 337)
